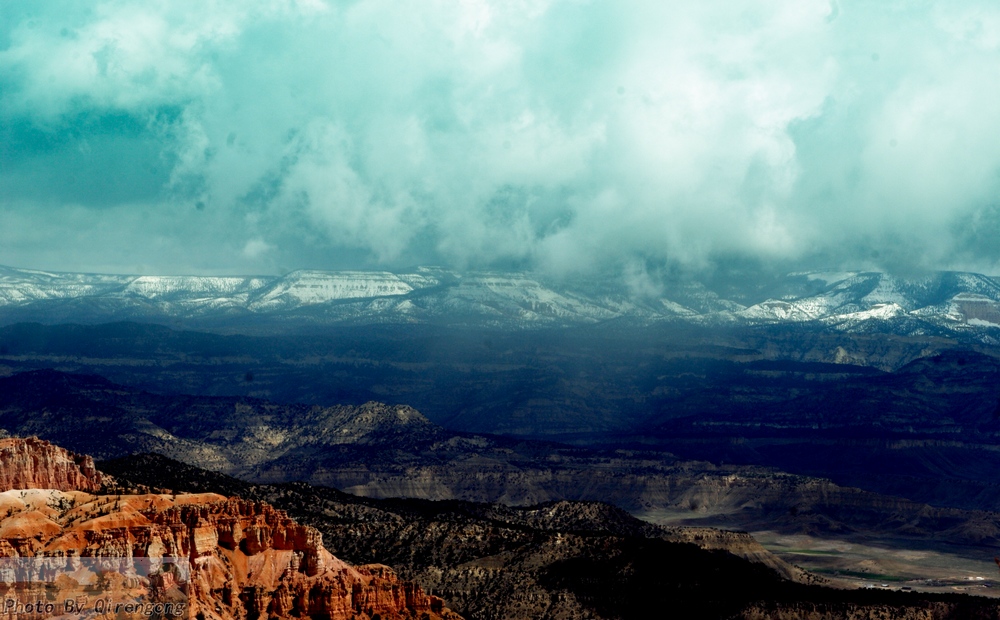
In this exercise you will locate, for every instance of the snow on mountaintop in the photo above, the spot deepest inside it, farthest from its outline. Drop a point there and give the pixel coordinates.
(19, 286)
(887, 291)
(317, 287)
(882, 312)
(983, 323)
(518, 297)
(841, 300)
(154, 287)
(828, 277)
(674, 308)
(975, 284)
(973, 298)
(778, 310)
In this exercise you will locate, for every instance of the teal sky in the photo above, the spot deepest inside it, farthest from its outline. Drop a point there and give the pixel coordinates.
(566, 136)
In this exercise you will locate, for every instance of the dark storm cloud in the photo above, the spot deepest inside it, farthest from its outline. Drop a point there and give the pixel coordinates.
(559, 135)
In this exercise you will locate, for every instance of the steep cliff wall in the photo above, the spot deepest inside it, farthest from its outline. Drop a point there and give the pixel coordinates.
(33, 463)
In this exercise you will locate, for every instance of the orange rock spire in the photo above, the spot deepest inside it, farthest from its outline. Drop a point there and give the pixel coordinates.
(247, 559)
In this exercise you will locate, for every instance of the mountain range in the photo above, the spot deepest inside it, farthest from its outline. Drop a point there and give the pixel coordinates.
(964, 305)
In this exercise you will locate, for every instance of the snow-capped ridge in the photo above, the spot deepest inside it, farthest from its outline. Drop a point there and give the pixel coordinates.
(318, 287)
(950, 301)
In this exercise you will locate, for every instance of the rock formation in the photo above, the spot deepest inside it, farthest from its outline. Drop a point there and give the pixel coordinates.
(247, 559)
(33, 463)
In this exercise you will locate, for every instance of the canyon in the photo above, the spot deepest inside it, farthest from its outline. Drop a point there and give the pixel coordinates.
(865, 457)
(249, 558)
(565, 559)
(378, 451)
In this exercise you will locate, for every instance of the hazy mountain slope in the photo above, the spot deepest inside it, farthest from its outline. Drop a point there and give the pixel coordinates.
(580, 380)
(926, 432)
(930, 431)
(382, 451)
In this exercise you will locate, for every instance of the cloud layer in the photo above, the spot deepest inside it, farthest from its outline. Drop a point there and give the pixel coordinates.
(561, 135)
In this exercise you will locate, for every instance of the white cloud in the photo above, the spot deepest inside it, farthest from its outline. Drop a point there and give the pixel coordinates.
(562, 134)
(254, 248)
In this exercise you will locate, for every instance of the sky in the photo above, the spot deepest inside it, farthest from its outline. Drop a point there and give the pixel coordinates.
(570, 137)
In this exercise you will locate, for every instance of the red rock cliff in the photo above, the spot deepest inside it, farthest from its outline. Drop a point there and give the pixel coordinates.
(36, 464)
(248, 560)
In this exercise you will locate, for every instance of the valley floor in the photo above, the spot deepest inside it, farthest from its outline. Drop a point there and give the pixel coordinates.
(858, 560)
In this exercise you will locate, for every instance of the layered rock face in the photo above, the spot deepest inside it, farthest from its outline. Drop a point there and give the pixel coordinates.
(36, 464)
(247, 559)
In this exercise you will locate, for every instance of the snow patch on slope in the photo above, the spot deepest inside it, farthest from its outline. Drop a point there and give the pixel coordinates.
(318, 287)
(156, 287)
(881, 312)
